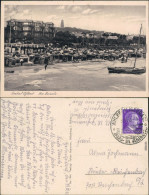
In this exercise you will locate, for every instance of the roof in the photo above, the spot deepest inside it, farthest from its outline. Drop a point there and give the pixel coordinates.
(37, 21)
(16, 20)
(34, 21)
(48, 22)
(112, 37)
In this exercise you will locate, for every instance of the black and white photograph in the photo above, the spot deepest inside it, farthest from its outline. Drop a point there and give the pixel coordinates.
(75, 47)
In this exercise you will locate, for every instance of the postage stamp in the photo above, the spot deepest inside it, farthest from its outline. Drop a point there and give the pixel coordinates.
(132, 121)
(129, 125)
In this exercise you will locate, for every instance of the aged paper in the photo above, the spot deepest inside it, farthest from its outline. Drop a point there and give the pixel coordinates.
(74, 146)
(88, 78)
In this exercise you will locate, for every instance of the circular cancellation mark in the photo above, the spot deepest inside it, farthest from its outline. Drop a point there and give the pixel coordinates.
(129, 125)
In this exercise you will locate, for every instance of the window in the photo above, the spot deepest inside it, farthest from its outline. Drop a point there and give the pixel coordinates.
(37, 28)
(11, 23)
(25, 23)
(37, 24)
(26, 28)
(25, 33)
(37, 34)
(16, 28)
(46, 30)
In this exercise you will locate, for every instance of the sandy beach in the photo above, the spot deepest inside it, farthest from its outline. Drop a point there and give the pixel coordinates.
(84, 76)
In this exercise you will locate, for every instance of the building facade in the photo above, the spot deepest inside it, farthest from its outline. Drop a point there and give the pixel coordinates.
(18, 30)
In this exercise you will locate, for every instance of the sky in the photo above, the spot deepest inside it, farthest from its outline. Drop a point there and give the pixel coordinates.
(109, 18)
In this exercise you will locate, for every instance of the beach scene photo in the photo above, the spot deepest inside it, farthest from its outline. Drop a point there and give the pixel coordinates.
(74, 48)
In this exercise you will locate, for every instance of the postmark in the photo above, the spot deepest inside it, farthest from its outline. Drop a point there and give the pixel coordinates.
(129, 125)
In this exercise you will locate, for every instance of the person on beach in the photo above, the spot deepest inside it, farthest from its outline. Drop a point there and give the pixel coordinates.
(46, 66)
(21, 62)
(46, 63)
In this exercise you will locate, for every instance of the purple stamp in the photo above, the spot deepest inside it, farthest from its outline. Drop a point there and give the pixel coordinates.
(132, 121)
(129, 125)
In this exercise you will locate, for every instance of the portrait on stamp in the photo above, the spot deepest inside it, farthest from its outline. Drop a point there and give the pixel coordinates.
(132, 121)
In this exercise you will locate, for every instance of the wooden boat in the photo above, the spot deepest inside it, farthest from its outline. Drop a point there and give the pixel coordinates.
(129, 70)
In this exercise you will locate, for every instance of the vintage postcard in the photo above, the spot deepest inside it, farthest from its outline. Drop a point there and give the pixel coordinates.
(74, 49)
(74, 146)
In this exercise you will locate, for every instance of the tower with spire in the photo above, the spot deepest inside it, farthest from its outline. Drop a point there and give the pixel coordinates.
(62, 23)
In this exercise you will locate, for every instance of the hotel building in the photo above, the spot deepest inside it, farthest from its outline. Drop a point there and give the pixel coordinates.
(23, 29)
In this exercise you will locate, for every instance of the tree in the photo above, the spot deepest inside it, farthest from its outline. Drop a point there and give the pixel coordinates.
(64, 38)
